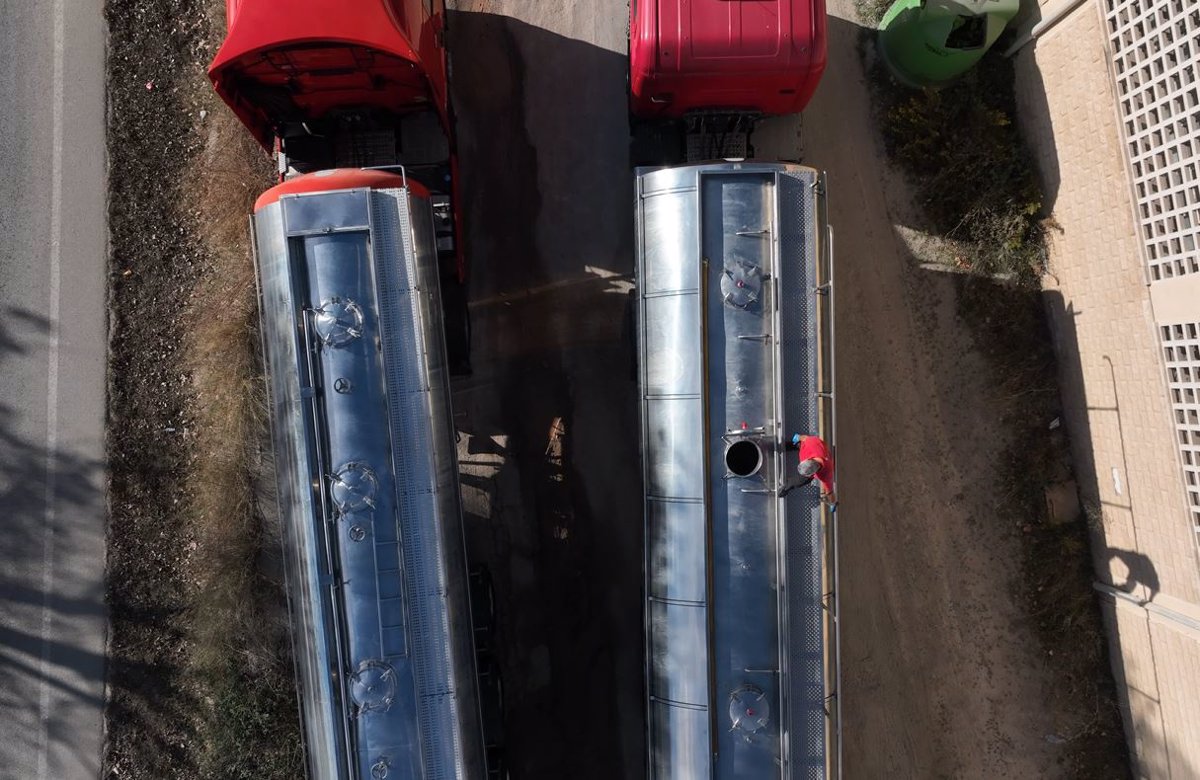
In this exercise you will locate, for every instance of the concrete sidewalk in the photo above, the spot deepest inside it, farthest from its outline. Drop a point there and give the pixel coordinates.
(1104, 115)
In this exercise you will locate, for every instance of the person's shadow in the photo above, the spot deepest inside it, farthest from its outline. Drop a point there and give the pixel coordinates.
(1140, 572)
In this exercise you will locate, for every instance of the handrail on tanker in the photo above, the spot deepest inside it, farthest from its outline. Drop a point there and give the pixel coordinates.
(338, 628)
(827, 429)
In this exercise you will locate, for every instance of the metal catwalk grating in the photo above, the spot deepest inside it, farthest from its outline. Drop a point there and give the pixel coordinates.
(798, 346)
(1155, 48)
(1181, 353)
(416, 496)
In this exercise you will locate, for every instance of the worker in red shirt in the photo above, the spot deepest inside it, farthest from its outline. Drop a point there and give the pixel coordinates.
(815, 462)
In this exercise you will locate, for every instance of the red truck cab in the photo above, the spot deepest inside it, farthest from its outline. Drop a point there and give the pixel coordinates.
(313, 60)
(702, 72)
(346, 84)
(760, 57)
(351, 84)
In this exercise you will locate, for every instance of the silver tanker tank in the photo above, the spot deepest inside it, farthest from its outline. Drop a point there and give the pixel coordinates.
(734, 325)
(368, 482)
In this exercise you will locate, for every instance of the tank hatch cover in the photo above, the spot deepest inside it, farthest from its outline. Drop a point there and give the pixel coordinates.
(741, 284)
(353, 487)
(749, 710)
(338, 321)
(743, 458)
(373, 686)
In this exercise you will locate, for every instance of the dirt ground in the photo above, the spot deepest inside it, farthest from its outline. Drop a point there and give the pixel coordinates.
(154, 264)
(943, 673)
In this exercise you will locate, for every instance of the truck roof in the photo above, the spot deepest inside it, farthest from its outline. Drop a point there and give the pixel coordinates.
(307, 57)
(764, 55)
(712, 35)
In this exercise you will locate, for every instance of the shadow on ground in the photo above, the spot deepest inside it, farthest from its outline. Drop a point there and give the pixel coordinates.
(43, 673)
(543, 145)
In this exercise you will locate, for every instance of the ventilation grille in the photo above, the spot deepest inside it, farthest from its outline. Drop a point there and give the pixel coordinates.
(1181, 352)
(1155, 49)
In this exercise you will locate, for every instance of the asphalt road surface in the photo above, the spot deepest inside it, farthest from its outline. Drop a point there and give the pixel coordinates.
(52, 357)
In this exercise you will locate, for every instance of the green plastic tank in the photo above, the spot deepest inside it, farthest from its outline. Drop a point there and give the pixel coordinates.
(928, 43)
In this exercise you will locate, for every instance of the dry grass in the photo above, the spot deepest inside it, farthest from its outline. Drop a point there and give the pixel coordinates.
(222, 359)
(240, 642)
(870, 12)
(200, 679)
(971, 173)
(239, 620)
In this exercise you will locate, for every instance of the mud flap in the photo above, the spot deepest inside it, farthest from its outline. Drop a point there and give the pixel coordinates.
(629, 333)
(457, 318)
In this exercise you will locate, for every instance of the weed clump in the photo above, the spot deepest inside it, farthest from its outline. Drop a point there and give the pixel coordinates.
(246, 738)
(974, 179)
(870, 12)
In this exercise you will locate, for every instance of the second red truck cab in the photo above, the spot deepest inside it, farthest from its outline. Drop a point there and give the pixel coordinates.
(729, 56)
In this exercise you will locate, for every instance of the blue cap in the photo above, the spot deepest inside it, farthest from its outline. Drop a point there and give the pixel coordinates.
(795, 438)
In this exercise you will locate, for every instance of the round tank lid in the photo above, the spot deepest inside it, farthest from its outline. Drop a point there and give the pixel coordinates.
(353, 487)
(373, 685)
(743, 458)
(338, 321)
(749, 710)
(741, 284)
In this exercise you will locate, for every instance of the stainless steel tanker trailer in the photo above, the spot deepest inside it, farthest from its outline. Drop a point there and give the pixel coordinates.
(734, 313)
(367, 477)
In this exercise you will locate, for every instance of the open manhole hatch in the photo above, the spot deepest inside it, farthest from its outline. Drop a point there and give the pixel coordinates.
(743, 458)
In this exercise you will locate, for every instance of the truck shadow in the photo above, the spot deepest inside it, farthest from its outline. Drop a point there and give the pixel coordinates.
(543, 146)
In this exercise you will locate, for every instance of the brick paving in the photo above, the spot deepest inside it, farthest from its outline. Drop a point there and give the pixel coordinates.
(1117, 407)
